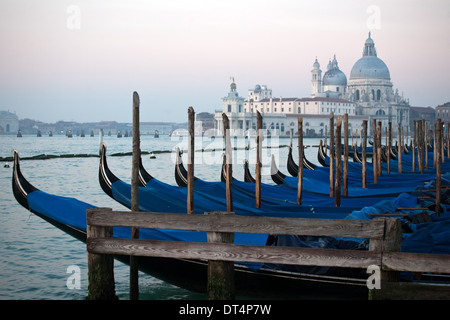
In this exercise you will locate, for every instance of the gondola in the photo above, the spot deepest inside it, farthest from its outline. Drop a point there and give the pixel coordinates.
(247, 175)
(321, 156)
(279, 201)
(180, 171)
(317, 181)
(268, 280)
(292, 167)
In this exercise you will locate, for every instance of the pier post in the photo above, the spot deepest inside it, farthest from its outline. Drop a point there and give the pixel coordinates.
(134, 279)
(391, 242)
(220, 273)
(414, 146)
(400, 148)
(331, 154)
(337, 188)
(228, 163)
(379, 132)
(425, 148)
(448, 139)
(420, 145)
(345, 192)
(374, 152)
(190, 175)
(300, 160)
(364, 154)
(259, 137)
(438, 166)
(389, 147)
(100, 266)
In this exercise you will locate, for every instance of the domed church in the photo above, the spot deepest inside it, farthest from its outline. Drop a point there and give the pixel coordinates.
(369, 87)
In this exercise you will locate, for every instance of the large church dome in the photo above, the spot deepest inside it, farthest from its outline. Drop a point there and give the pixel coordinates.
(370, 66)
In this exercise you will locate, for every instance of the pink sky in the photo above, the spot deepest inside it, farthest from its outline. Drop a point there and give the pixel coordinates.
(82, 60)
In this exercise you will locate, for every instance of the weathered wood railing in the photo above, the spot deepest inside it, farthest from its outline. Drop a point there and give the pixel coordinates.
(384, 235)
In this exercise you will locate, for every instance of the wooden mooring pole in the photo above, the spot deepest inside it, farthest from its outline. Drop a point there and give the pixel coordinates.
(331, 154)
(389, 147)
(379, 132)
(375, 151)
(414, 146)
(259, 138)
(400, 149)
(438, 166)
(338, 148)
(300, 160)
(228, 162)
(220, 285)
(134, 277)
(345, 191)
(364, 154)
(190, 173)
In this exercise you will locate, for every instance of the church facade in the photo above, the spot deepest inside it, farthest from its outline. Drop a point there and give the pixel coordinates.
(367, 94)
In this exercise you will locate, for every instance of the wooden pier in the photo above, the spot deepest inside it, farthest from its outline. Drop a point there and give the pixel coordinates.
(384, 235)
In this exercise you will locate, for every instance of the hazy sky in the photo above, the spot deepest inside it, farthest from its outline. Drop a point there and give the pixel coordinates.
(82, 60)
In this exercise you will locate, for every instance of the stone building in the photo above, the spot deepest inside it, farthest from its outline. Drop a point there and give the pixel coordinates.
(9, 123)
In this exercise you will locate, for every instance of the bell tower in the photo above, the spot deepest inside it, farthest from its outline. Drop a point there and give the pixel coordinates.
(316, 79)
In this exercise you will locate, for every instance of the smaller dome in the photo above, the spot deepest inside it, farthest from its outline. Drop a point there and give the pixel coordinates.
(334, 77)
(257, 88)
(233, 86)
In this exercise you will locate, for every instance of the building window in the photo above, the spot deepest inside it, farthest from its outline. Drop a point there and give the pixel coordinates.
(378, 95)
(229, 108)
(357, 94)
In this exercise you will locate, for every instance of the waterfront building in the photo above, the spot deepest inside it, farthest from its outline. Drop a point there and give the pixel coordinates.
(9, 123)
(443, 112)
(368, 94)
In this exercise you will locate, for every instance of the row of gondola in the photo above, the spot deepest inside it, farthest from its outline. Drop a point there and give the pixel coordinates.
(278, 199)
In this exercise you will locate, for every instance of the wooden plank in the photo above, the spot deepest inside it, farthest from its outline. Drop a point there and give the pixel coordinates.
(416, 262)
(296, 226)
(230, 252)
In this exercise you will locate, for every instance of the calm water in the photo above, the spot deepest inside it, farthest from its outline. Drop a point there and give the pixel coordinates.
(35, 256)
